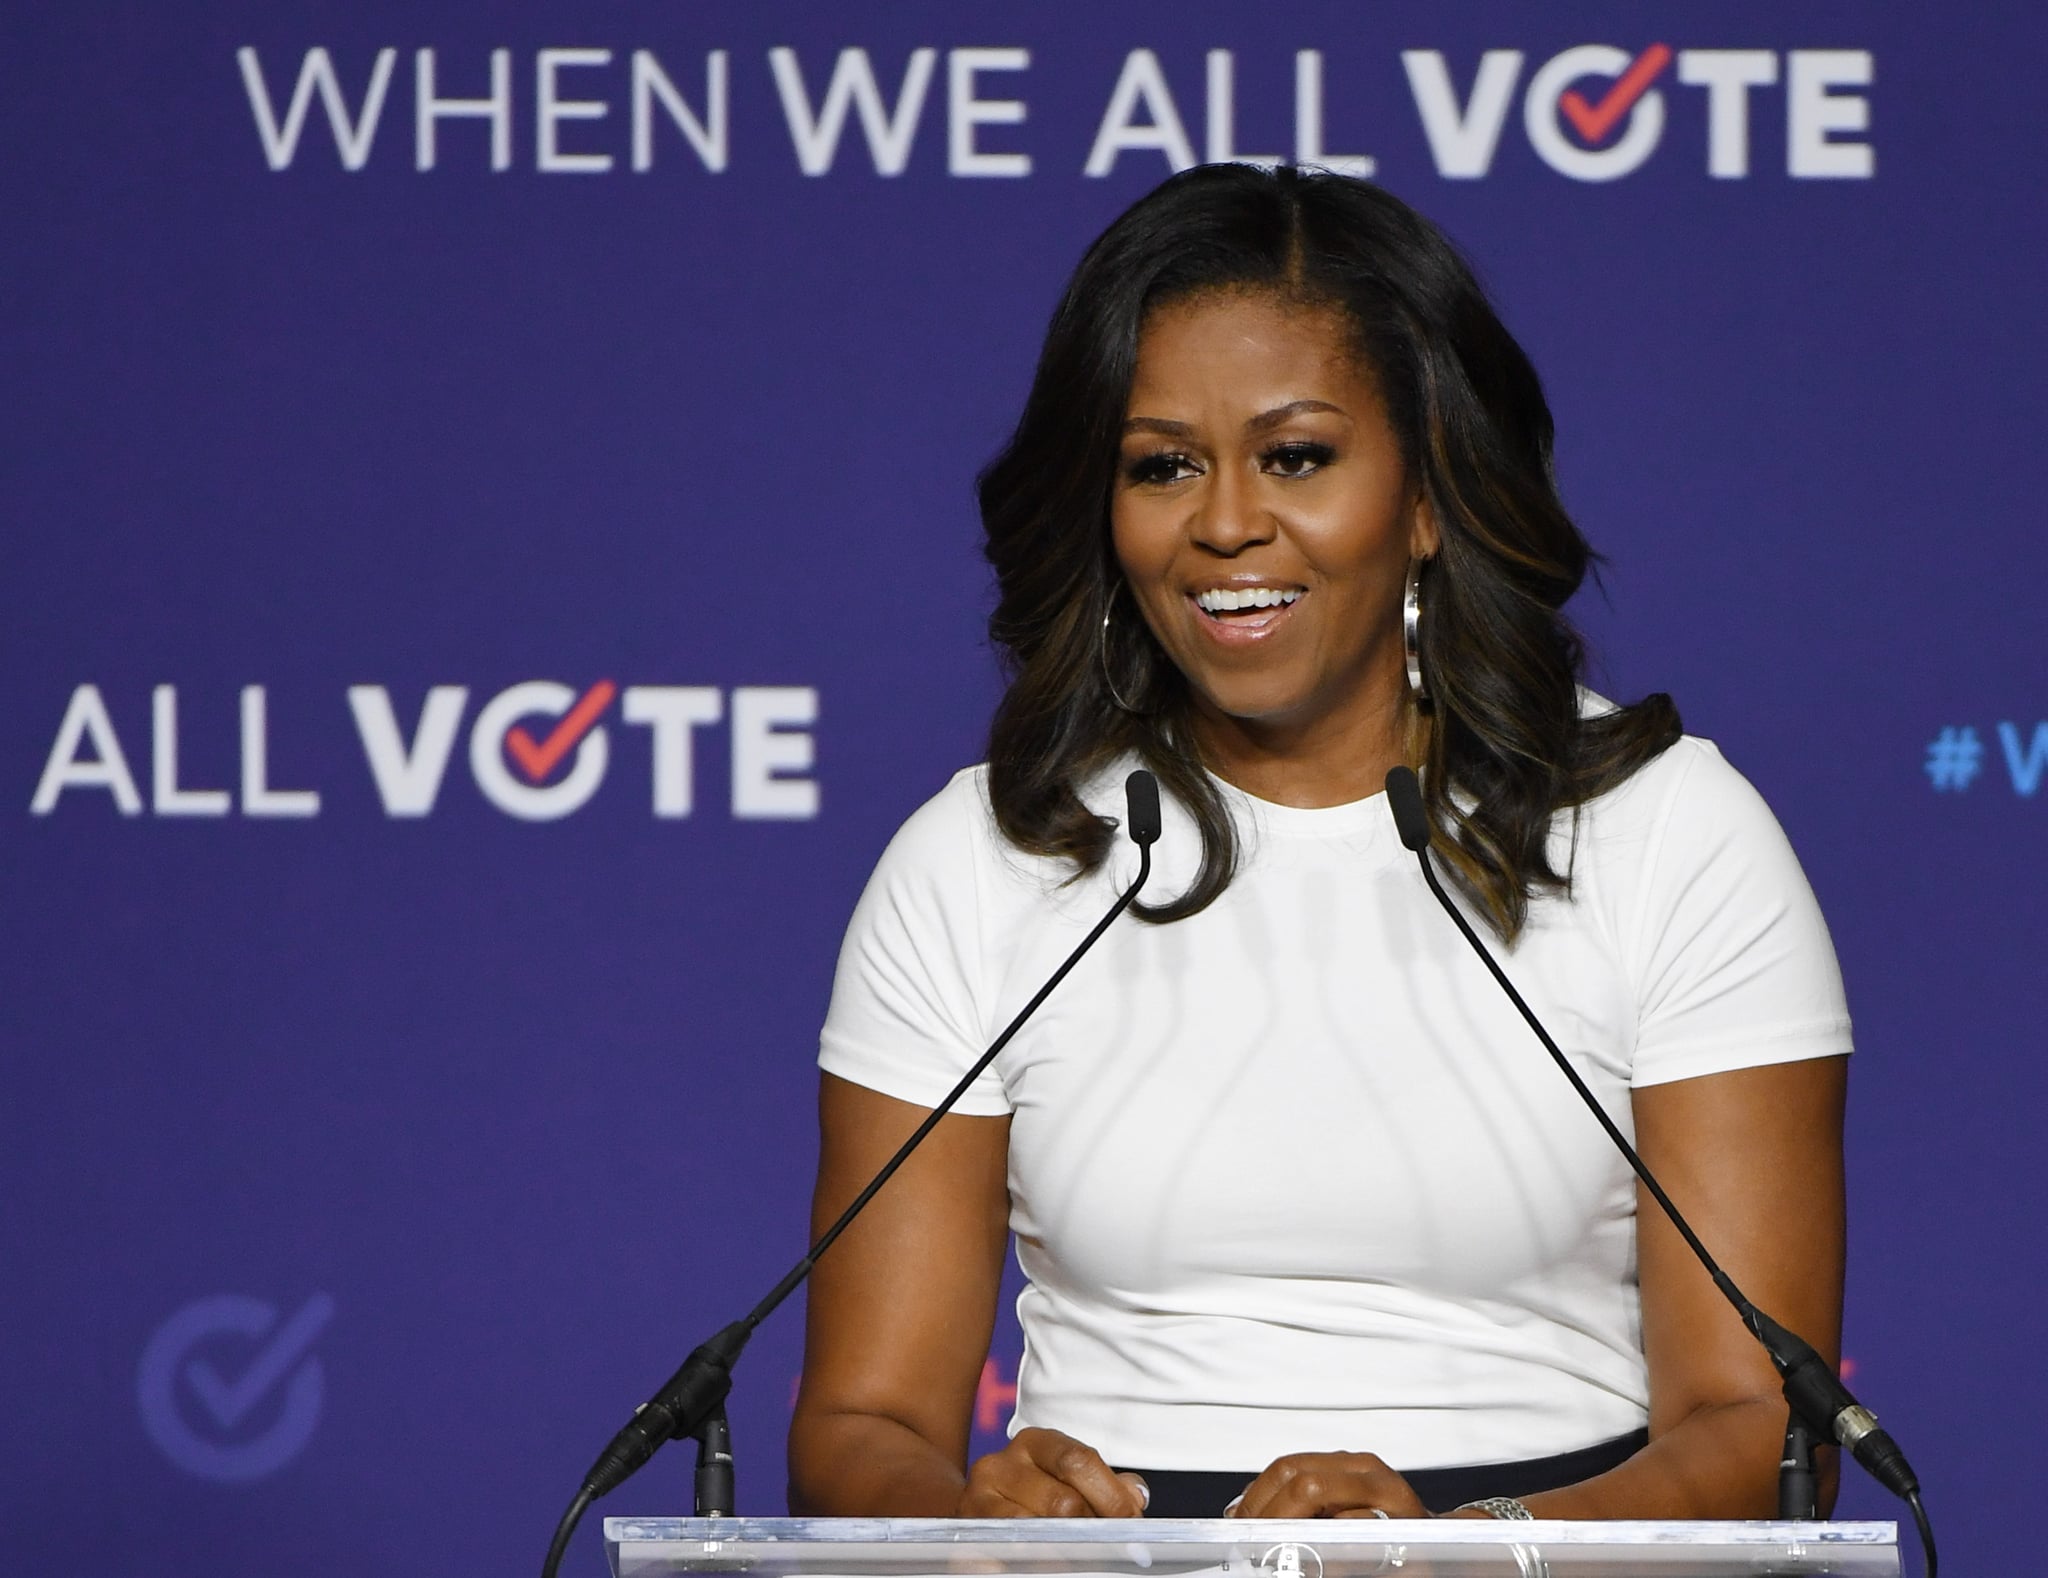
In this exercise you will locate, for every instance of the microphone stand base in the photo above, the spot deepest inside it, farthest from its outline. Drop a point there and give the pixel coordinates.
(714, 1466)
(1798, 1482)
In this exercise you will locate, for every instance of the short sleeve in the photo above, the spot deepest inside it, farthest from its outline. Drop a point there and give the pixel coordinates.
(1734, 964)
(905, 1017)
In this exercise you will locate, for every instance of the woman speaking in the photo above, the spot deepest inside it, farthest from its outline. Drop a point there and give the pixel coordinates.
(1312, 1226)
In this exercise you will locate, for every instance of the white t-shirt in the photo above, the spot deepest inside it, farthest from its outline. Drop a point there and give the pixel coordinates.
(1292, 1174)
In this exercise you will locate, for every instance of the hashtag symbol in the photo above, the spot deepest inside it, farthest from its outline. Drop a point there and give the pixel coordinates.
(1954, 758)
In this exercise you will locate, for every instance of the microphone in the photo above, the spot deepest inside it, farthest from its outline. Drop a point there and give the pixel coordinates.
(1816, 1395)
(1141, 806)
(694, 1396)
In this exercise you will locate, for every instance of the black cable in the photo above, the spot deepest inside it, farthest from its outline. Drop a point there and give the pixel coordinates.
(1721, 1278)
(563, 1530)
(706, 1376)
(1812, 1388)
(802, 1268)
(1926, 1532)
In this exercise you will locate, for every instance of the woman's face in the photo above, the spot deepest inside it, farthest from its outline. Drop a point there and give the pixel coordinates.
(1263, 517)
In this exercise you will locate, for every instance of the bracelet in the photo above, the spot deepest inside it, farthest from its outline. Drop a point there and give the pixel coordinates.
(1499, 1507)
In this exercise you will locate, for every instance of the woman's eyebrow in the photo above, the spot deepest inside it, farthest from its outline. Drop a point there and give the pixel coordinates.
(1256, 424)
(1280, 413)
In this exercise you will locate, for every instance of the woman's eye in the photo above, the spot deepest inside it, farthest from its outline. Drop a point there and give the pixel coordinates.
(1169, 466)
(1299, 460)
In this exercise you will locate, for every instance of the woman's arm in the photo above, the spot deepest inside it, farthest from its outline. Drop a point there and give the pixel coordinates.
(898, 1328)
(1754, 1159)
(901, 1311)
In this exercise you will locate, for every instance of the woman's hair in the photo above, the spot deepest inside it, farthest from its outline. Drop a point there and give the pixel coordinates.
(1502, 743)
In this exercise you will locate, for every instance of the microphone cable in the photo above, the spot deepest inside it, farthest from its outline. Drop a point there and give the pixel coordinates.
(1812, 1390)
(699, 1388)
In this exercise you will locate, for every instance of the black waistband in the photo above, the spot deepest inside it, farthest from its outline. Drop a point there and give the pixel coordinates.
(1202, 1493)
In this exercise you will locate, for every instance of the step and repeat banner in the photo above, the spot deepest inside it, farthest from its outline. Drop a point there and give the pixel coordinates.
(489, 557)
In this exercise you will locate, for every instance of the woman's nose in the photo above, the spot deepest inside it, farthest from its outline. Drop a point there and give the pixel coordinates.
(1230, 515)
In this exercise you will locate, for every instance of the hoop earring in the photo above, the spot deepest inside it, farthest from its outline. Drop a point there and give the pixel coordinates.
(1102, 653)
(1411, 631)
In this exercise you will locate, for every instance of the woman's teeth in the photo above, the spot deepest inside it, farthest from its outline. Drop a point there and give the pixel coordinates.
(1225, 601)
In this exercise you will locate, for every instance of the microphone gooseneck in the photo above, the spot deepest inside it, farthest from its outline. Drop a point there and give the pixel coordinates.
(696, 1393)
(1812, 1389)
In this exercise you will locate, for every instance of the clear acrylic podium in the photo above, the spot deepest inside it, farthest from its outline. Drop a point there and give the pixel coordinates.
(1228, 1548)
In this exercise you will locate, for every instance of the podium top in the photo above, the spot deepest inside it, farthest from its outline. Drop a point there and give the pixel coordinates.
(1241, 1548)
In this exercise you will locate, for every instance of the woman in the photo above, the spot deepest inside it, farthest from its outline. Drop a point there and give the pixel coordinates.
(1311, 1224)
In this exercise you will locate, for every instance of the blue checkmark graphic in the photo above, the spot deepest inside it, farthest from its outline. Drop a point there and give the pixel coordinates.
(280, 1361)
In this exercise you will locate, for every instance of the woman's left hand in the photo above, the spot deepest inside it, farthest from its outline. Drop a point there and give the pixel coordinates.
(1328, 1485)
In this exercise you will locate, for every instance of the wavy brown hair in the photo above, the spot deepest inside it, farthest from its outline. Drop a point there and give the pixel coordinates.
(1502, 744)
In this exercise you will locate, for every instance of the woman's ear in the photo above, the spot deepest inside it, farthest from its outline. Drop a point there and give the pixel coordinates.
(1424, 540)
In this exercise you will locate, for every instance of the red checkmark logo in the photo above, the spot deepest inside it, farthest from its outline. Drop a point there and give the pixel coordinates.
(538, 758)
(1595, 121)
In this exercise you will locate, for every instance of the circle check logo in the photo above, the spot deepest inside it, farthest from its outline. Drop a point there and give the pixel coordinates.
(233, 1411)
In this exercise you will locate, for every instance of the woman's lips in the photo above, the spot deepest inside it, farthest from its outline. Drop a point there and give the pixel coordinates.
(1245, 628)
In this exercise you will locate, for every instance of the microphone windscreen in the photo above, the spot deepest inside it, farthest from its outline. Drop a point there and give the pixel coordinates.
(1404, 794)
(1141, 806)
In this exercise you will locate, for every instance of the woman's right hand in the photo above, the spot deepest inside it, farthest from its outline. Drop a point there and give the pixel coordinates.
(1043, 1474)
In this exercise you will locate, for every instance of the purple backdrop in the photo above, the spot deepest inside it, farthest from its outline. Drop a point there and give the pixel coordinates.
(368, 1159)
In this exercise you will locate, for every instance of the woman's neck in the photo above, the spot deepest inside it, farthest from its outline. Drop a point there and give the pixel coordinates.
(1312, 763)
